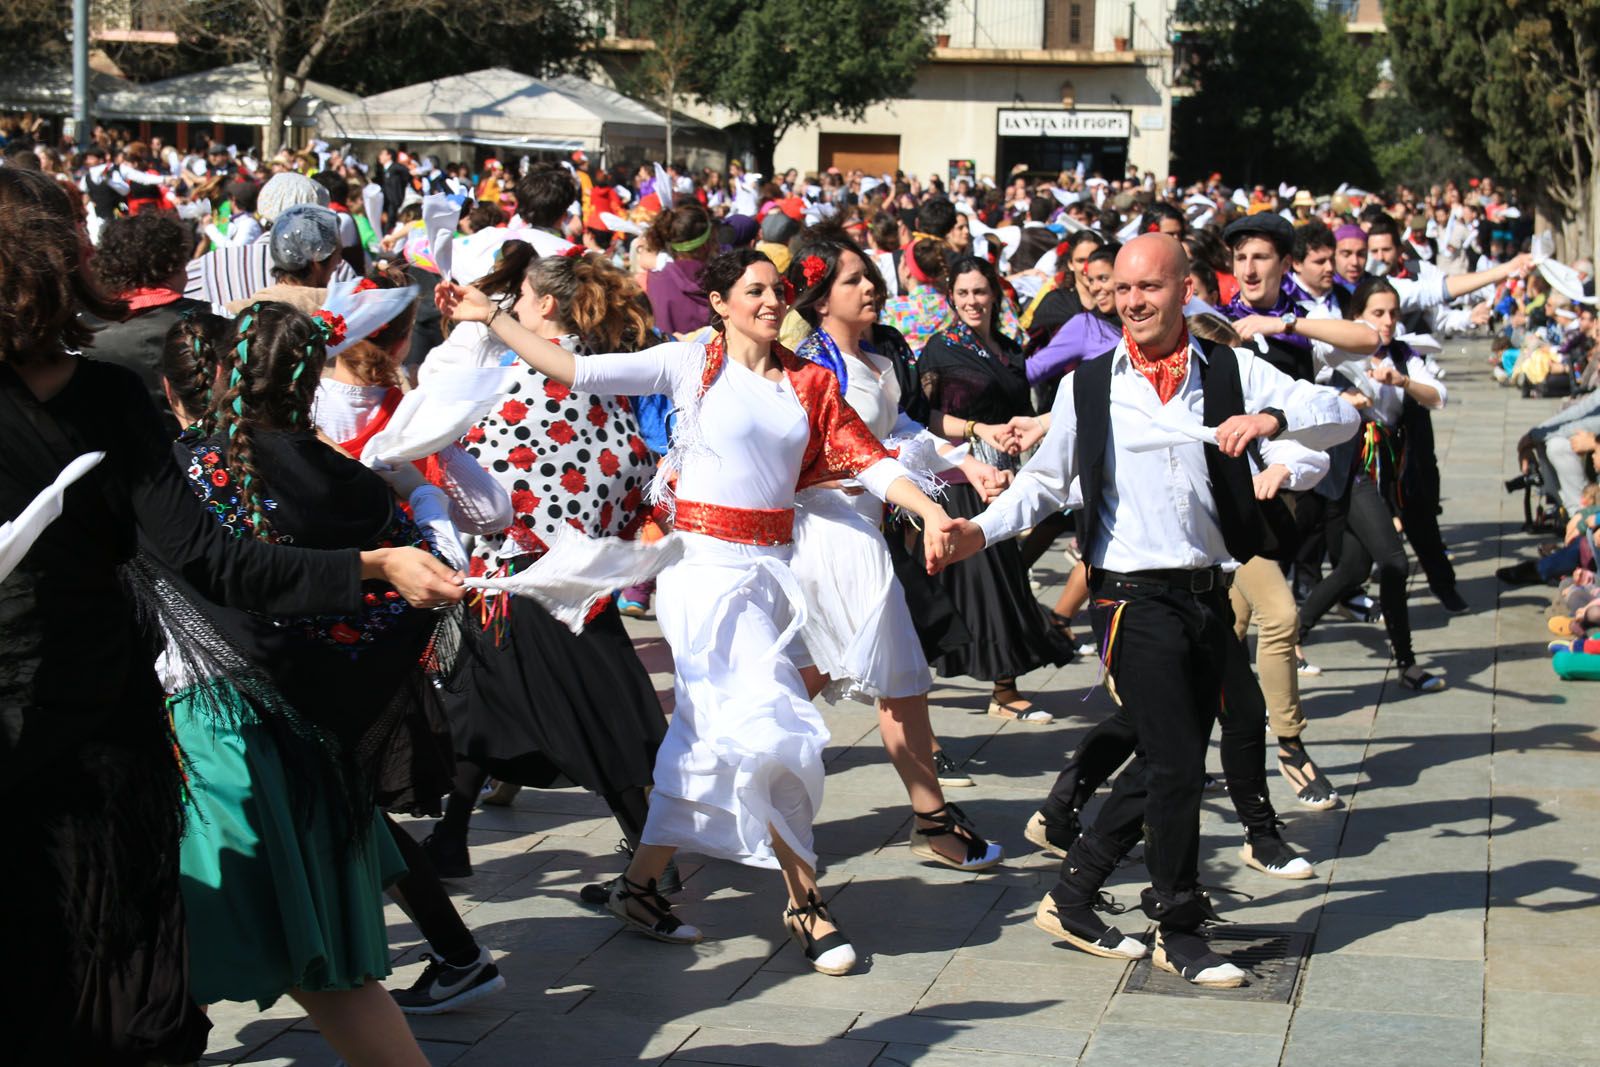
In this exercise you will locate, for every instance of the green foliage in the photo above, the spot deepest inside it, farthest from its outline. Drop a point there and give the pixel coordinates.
(1280, 91)
(1493, 70)
(549, 37)
(777, 64)
(1407, 148)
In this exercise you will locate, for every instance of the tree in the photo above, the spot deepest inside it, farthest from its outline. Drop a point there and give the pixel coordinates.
(290, 39)
(671, 66)
(1280, 92)
(778, 64)
(549, 37)
(1516, 80)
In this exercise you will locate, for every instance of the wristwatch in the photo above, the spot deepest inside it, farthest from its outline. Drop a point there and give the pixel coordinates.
(1283, 422)
(1288, 321)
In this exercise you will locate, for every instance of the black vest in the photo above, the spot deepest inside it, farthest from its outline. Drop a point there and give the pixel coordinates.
(1231, 486)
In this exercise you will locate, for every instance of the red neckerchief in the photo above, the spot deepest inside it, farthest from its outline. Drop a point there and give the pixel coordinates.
(432, 469)
(1166, 374)
(151, 297)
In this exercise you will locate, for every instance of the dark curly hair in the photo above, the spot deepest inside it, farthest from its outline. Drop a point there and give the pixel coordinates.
(270, 373)
(189, 360)
(141, 251)
(44, 287)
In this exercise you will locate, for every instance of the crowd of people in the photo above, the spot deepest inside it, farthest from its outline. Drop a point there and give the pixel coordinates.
(350, 472)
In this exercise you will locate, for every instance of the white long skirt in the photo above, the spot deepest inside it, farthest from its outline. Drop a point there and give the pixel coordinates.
(744, 750)
(858, 630)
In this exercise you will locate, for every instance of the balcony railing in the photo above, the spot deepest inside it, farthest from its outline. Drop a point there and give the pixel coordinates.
(1088, 25)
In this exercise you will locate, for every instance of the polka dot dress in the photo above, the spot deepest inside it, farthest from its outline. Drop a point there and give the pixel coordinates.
(566, 458)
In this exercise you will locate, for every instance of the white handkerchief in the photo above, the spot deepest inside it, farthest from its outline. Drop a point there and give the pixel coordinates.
(578, 570)
(434, 414)
(439, 218)
(20, 534)
(1174, 425)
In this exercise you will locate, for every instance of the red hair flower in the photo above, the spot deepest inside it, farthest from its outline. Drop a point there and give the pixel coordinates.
(331, 325)
(788, 291)
(572, 252)
(363, 285)
(814, 269)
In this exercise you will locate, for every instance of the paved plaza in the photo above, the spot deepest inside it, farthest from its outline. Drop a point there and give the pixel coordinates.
(1453, 920)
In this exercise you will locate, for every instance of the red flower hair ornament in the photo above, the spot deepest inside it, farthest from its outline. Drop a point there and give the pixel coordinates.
(814, 270)
(331, 325)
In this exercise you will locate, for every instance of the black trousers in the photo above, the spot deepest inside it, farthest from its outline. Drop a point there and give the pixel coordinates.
(1368, 536)
(1420, 516)
(1173, 658)
(1115, 738)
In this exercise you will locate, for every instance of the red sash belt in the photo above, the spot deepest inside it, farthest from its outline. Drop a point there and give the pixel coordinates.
(746, 526)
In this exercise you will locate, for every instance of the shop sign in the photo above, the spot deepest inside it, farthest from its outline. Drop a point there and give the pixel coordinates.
(1015, 122)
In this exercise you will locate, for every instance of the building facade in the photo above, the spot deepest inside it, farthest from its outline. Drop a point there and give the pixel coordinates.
(1045, 85)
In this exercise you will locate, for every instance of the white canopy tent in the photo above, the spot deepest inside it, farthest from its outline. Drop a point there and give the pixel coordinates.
(502, 109)
(235, 95)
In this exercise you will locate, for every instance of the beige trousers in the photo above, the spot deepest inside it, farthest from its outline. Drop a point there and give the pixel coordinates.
(1261, 592)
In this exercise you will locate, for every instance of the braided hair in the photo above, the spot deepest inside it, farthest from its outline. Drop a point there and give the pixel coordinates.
(189, 359)
(271, 372)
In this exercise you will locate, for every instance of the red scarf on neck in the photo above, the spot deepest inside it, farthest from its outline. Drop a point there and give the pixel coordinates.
(1165, 374)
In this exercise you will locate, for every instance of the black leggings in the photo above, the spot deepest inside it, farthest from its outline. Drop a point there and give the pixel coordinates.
(630, 806)
(1369, 536)
(422, 897)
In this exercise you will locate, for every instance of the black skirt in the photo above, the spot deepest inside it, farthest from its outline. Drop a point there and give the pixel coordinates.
(91, 902)
(544, 703)
(1009, 632)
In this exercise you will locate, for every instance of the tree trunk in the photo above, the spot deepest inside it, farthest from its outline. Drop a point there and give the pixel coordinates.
(672, 100)
(764, 143)
(272, 140)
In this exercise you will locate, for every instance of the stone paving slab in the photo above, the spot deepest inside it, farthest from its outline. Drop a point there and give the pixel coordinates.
(1453, 914)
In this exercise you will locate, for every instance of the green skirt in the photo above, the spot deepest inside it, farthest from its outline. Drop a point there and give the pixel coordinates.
(275, 900)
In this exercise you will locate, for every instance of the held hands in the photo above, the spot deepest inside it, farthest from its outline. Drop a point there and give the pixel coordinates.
(1270, 481)
(1357, 400)
(462, 303)
(1480, 314)
(1001, 437)
(1582, 441)
(1235, 435)
(951, 541)
(989, 481)
(423, 581)
(1027, 430)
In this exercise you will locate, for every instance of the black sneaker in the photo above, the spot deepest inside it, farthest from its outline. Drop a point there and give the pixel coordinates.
(443, 987)
(1453, 602)
(950, 776)
(448, 854)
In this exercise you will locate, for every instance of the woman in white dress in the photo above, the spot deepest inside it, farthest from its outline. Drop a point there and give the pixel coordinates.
(858, 632)
(740, 773)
